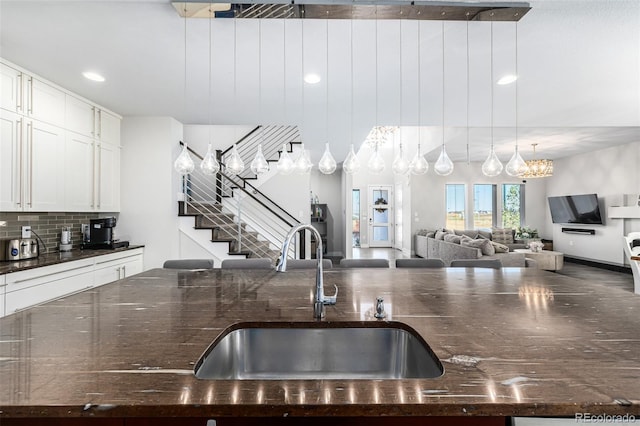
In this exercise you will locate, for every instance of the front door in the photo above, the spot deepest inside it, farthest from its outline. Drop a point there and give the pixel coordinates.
(380, 216)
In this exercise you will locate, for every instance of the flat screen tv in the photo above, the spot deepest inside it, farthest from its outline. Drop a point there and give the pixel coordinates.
(581, 209)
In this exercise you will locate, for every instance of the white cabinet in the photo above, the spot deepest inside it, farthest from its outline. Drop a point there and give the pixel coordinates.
(3, 286)
(11, 89)
(107, 177)
(44, 102)
(20, 290)
(100, 190)
(34, 286)
(44, 167)
(110, 268)
(31, 96)
(58, 152)
(79, 173)
(10, 161)
(31, 164)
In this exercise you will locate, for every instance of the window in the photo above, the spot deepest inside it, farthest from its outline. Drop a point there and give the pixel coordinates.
(355, 218)
(455, 206)
(512, 205)
(484, 206)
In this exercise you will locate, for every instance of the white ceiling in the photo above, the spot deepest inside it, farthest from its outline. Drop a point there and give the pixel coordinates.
(579, 67)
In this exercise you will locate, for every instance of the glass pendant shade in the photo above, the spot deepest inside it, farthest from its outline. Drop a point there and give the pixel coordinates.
(235, 165)
(400, 166)
(492, 166)
(376, 163)
(209, 164)
(418, 165)
(285, 164)
(303, 163)
(351, 164)
(444, 165)
(516, 165)
(184, 164)
(259, 164)
(327, 164)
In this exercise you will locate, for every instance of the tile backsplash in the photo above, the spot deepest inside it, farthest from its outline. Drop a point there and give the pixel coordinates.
(47, 225)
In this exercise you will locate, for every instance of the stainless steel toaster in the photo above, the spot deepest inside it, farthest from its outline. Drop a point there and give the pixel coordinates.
(18, 248)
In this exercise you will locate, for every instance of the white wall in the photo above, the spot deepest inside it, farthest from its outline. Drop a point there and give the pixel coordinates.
(428, 196)
(222, 137)
(610, 173)
(149, 186)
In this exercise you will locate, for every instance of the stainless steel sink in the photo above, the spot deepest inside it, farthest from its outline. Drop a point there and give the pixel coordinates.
(318, 350)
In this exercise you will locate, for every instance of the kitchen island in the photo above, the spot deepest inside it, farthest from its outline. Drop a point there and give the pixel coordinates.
(513, 342)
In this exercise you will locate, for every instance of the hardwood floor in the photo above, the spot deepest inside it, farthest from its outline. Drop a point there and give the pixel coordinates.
(589, 273)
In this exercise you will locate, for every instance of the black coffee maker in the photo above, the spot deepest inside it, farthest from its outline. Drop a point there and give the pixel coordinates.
(102, 235)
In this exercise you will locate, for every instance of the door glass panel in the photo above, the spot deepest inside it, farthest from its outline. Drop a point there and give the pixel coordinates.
(380, 233)
(380, 196)
(355, 218)
(381, 216)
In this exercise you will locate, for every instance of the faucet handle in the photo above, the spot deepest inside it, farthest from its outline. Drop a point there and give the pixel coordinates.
(331, 300)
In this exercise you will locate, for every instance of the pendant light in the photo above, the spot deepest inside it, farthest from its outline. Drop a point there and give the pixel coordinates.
(492, 166)
(419, 165)
(234, 164)
(376, 162)
(327, 164)
(400, 166)
(209, 164)
(285, 164)
(259, 164)
(351, 164)
(303, 163)
(184, 164)
(516, 165)
(444, 165)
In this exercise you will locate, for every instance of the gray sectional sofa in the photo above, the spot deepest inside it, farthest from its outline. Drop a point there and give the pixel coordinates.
(429, 247)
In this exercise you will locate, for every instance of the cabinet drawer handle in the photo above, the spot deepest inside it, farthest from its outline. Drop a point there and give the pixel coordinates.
(19, 91)
(46, 275)
(30, 108)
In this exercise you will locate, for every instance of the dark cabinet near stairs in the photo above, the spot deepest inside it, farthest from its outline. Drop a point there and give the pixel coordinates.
(319, 221)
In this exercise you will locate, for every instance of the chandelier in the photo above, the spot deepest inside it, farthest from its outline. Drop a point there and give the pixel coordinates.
(379, 135)
(537, 168)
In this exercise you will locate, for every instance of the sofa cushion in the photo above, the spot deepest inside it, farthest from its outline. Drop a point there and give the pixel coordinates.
(502, 235)
(485, 234)
(483, 244)
(500, 248)
(452, 238)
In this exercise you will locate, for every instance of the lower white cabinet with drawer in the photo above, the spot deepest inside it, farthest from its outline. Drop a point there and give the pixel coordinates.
(112, 267)
(20, 290)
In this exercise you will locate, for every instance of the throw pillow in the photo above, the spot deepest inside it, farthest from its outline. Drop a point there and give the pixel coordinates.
(500, 248)
(440, 235)
(483, 244)
(452, 238)
(467, 233)
(485, 234)
(502, 235)
(431, 234)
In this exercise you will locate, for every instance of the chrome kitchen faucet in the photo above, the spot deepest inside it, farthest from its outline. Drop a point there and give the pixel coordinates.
(320, 299)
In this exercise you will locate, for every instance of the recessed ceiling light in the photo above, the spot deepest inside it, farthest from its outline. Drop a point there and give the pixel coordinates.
(507, 79)
(93, 76)
(312, 78)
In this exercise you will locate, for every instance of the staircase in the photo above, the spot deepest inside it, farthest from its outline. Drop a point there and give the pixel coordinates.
(235, 213)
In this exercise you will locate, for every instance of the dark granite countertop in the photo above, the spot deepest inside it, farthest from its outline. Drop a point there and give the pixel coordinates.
(513, 342)
(56, 258)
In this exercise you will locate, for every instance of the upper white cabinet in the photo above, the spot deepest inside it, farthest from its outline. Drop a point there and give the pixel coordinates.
(58, 152)
(31, 153)
(11, 89)
(31, 97)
